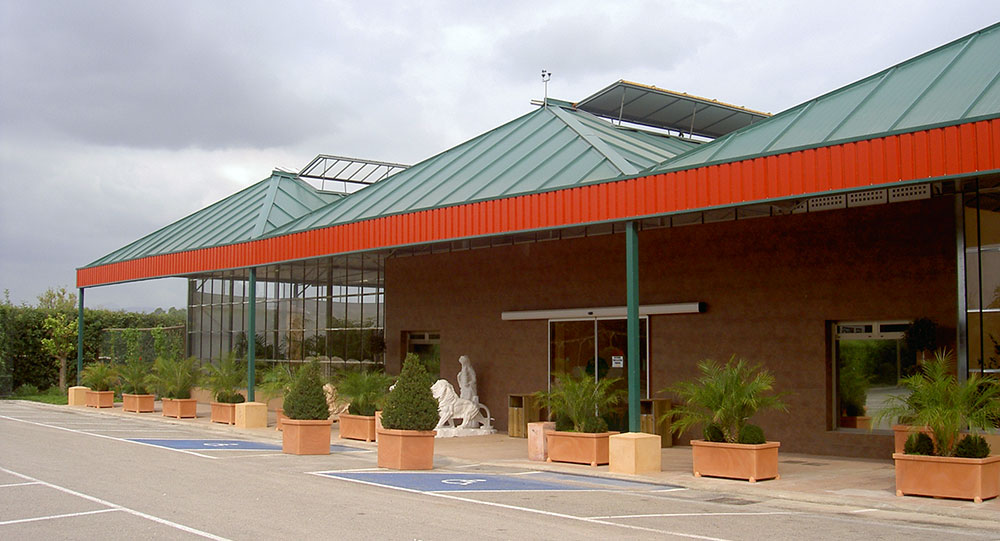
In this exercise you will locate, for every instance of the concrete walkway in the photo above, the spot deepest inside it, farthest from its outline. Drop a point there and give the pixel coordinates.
(810, 479)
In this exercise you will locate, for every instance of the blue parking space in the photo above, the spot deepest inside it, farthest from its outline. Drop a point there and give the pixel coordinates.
(226, 445)
(453, 482)
(209, 445)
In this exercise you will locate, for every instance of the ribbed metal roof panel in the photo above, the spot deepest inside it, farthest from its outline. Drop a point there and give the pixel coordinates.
(554, 146)
(955, 83)
(254, 211)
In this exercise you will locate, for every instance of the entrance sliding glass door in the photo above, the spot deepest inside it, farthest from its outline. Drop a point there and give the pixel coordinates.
(598, 348)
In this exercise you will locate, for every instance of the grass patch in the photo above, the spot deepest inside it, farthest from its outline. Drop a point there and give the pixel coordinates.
(51, 395)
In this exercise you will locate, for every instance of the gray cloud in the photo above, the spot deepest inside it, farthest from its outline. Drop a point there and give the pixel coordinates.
(120, 117)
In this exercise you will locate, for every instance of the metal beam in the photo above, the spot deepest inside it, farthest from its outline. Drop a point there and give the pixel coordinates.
(252, 334)
(632, 294)
(79, 338)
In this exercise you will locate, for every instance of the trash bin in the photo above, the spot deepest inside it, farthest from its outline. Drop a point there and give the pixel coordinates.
(521, 410)
(650, 412)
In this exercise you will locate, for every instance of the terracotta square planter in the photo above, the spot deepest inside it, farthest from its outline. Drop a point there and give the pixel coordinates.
(975, 479)
(180, 408)
(305, 436)
(279, 416)
(735, 460)
(406, 449)
(223, 413)
(100, 399)
(138, 403)
(357, 427)
(578, 447)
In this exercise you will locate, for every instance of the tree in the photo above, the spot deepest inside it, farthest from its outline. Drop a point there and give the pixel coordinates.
(57, 298)
(61, 342)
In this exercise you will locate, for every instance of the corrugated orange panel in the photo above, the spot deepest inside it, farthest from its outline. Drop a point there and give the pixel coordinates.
(921, 159)
(891, 151)
(783, 163)
(967, 148)
(849, 171)
(952, 150)
(808, 171)
(646, 199)
(701, 187)
(683, 188)
(994, 145)
(935, 150)
(907, 161)
(863, 173)
(756, 172)
(737, 188)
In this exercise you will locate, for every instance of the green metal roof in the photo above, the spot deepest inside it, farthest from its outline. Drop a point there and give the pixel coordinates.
(248, 214)
(955, 83)
(554, 146)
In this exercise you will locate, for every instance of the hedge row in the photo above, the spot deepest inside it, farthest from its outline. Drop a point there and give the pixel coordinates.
(22, 330)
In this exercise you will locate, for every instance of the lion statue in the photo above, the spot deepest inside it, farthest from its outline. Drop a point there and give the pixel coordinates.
(451, 407)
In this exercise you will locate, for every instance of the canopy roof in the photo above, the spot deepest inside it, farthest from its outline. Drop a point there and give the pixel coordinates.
(559, 166)
(651, 106)
(247, 214)
(552, 147)
(955, 83)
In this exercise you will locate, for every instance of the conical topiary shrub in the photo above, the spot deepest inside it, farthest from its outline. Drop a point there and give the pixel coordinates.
(410, 405)
(305, 399)
(306, 431)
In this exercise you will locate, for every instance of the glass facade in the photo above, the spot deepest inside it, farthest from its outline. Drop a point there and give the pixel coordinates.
(982, 279)
(329, 309)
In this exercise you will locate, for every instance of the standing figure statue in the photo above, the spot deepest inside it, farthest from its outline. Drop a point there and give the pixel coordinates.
(467, 381)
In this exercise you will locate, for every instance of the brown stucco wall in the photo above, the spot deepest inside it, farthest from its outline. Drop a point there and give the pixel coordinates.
(772, 286)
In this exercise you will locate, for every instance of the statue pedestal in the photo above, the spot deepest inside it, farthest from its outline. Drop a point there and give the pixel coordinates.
(448, 432)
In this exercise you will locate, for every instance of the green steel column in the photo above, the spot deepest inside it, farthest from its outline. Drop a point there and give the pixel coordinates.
(632, 292)
(79, 338)
(252, 335)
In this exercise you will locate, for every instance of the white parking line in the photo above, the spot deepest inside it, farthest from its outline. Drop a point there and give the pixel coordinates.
(668, 515)
(116, 507)
(451, 496)
(52, 517)
(104, 436)
(19, 484)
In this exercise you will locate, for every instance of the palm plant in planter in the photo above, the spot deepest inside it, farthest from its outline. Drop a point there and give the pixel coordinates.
(306, 428)
(224, 381)
(947, 407)
(274, 383)
(579, 404)
(723, 400)
(364, 390)
(101, 378)
(409, 415)
(173, 378)
(136, 382)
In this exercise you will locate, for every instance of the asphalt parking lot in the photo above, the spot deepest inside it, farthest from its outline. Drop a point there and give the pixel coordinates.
(70, 473)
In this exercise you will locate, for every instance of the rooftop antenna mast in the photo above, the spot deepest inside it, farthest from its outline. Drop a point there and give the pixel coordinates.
(546, 75)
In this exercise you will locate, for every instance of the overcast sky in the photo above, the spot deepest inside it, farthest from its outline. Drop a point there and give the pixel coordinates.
(118, 118)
